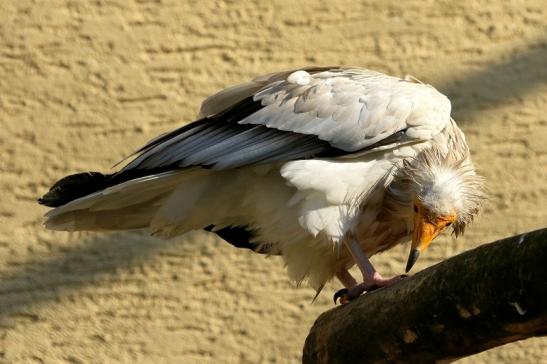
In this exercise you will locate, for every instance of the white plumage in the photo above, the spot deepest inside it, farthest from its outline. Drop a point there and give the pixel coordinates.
(295, 163)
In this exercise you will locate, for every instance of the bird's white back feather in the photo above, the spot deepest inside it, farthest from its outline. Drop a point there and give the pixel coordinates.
(352, 108)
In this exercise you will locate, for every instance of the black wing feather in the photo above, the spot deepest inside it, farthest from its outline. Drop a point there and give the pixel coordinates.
(242, 237)
(218, 142)
(199, 143)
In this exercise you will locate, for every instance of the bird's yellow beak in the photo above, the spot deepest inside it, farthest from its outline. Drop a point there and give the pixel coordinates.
(425, 230)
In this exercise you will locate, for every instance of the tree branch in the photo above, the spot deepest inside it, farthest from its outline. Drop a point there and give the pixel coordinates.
(480, 299)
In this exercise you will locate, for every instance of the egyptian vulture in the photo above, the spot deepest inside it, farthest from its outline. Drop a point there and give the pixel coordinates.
(323, 166)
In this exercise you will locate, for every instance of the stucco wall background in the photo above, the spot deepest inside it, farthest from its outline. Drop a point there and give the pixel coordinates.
(83, 83)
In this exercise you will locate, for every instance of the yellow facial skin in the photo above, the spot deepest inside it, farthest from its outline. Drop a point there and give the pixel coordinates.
(426, 228)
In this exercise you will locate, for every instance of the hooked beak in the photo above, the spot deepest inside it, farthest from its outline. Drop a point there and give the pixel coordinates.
(424, 233)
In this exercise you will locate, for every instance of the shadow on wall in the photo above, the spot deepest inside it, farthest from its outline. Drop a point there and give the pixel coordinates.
(497, 83)
(35, 282)
(99, 258)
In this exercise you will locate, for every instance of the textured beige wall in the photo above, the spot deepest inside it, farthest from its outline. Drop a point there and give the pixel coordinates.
(82, 83)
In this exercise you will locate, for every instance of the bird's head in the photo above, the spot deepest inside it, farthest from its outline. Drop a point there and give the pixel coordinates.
(445, 191)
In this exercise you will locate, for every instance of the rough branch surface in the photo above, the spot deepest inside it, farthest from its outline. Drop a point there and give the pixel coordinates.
(483, 298)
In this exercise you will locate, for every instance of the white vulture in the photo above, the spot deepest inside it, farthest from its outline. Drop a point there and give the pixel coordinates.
(325, 166)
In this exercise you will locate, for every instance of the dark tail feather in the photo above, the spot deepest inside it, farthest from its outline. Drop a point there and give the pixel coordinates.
(73, 187)
(82, 184)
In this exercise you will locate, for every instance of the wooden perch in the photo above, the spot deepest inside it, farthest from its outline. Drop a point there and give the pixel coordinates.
(483, 298)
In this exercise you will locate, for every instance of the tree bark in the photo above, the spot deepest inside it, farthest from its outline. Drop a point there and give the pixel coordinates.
(480, 299)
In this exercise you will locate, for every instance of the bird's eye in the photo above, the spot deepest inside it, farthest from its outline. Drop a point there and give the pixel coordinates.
(448, 224)
(415, 208)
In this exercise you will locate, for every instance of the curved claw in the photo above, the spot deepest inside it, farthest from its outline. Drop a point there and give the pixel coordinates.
(343, 295)
(348, 294)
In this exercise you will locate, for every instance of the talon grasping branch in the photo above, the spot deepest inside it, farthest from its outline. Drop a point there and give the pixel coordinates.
(324, 166)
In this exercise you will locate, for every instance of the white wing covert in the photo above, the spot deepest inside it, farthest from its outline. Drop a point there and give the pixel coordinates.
(314, 113)
(352, 109)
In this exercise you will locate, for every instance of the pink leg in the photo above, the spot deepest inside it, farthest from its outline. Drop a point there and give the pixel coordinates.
(371, 278)
(346, 278)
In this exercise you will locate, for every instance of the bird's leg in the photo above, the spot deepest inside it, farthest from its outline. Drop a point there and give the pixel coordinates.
(345, 277)
(371, 278)
(345, 294)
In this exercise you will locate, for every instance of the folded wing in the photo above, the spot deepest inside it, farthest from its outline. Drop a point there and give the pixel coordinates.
(300, 115)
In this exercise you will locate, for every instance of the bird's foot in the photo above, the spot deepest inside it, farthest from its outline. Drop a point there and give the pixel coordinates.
(348, 294)
(345, 295)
